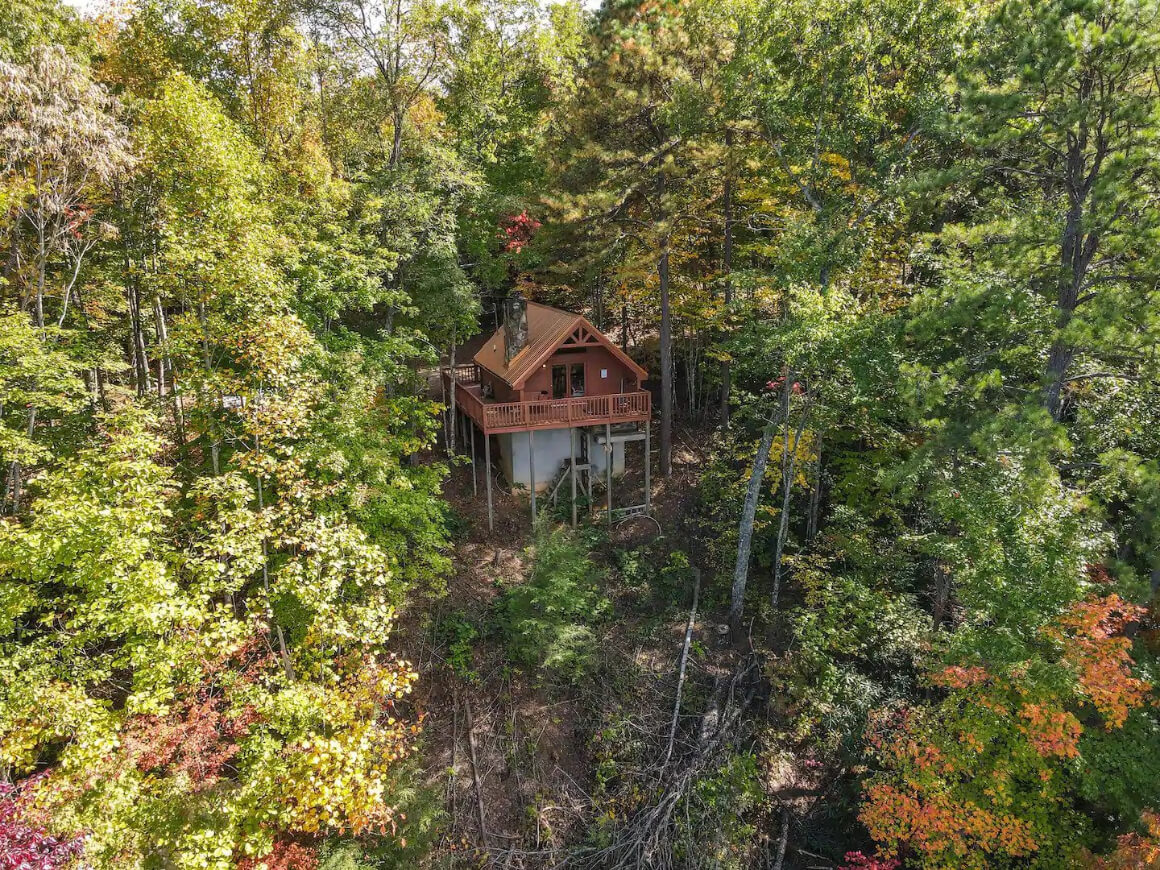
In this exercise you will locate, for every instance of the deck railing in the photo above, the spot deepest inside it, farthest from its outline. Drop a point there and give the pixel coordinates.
(464, 373)
(553, 413)
(470, 403)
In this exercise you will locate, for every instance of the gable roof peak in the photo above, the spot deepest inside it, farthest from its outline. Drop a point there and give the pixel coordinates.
(547, 329)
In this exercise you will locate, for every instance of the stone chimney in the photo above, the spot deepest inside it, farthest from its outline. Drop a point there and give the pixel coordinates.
(515, 325)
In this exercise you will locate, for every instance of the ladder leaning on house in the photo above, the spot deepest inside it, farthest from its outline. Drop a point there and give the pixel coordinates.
(582, 472)
(578, 471)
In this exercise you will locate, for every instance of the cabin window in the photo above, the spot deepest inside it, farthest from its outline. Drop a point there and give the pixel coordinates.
(577, 379)
(559, 382)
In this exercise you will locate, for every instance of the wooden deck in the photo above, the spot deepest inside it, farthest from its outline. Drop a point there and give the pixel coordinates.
(497, 417)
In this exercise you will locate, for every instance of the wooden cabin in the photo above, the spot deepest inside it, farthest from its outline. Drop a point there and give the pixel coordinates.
(558, 398)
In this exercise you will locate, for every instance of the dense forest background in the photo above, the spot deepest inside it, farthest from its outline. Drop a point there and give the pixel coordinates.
(894, 268)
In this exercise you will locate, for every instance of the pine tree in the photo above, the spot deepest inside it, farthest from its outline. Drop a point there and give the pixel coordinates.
(1059, 116)
(629, 171)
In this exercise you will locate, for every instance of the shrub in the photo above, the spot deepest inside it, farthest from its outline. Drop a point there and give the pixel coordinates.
(458, 632)
(547, 622)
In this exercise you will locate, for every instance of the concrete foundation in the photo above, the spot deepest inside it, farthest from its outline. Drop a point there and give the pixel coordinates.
(552, 451)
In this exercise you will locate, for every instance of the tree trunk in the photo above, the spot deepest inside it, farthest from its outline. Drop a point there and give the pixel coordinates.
(788, 462)
(12, 263)
(101, 395)
(681, 669)
(137, 339)
(815, 497)
(214, 449)
(16, 471)
(745, 531)
(691, 367)
(283, 652)
(102, 398)
(727, 269)
(779, 859)
(9, 484)
(90, 391)
(666, 340)
(162, 356)
(397, 138)
(451, 401)
(41, 257)
(1061, 354)
(166, 361)
(942, 594)
(1058, 362)
(1075, 255)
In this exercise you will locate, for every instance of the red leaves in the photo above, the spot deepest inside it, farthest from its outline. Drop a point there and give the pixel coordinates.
(1051, 732)
(200, 735)
(859, 861)
(25, 845)
(285, 855)
(1134, 851)
(1098, 574)
(516, 231)
(934, 824)
(972, 773)
(776, 384)
(198, 738)
(76, 217)
(958, 677)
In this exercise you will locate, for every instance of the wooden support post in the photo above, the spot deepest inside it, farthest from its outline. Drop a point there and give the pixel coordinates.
(532, 468)
(446, 410)
(647, 466)
(608, 467)
(572, 473)
(487, 471)
(474, 476)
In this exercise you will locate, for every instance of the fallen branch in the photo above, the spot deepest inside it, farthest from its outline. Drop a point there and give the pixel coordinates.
(454, 751)
(784, 839)
(646, 839)
(475, 773)
(681, 672)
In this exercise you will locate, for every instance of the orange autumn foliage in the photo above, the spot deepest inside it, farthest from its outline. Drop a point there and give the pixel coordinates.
(1095, 648)
(284, 856)
(959, 677)
(934, 824)
(1133, 851)
(1051, 732)
(974, 779)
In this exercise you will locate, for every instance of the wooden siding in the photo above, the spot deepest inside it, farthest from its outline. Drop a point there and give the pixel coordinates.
(538, 385)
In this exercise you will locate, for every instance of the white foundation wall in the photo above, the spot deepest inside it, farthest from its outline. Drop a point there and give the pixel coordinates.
(597, 455)
(552, 450)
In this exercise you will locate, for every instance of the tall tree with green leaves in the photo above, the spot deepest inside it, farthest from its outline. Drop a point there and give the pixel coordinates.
(1059, 119)
(627, 162)
(64, 144)
(64, 147)
(26, 24)
(404, 43)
